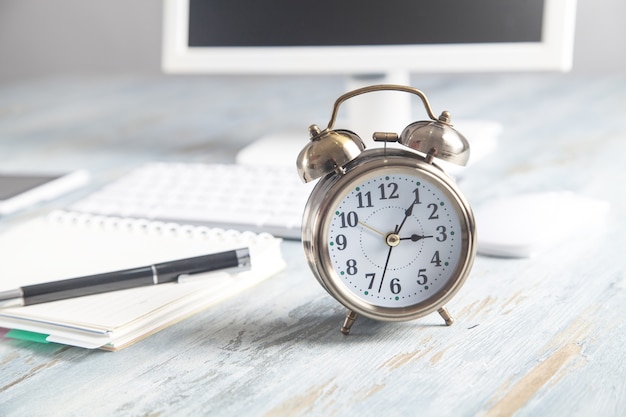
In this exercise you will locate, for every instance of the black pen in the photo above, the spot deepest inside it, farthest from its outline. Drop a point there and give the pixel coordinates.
(160, 273)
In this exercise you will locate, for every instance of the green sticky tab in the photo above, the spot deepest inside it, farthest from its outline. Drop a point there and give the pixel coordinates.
(29, 336)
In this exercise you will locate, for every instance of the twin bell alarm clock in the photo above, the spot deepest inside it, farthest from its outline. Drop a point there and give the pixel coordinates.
(386, 231)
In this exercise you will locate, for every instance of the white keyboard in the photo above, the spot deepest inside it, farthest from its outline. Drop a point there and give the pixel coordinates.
(259, 199)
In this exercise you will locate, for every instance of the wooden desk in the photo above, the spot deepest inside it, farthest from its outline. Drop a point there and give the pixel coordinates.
(533, 337)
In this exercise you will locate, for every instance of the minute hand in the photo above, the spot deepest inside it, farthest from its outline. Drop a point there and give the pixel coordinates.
(408, 212)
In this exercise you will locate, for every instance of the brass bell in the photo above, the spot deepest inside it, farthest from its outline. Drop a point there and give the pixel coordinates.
(328, 151)
(438, 139)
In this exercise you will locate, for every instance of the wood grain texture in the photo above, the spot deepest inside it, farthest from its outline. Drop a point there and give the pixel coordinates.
(538, 336)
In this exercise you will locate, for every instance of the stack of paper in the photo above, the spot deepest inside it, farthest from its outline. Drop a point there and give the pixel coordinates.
(66, 245)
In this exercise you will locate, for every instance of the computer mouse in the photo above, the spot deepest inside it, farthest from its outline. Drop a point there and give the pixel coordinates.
(523, 225)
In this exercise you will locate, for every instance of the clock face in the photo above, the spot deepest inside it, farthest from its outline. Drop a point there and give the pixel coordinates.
(395, 238)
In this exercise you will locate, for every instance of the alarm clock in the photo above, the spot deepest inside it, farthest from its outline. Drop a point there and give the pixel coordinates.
(386, 231)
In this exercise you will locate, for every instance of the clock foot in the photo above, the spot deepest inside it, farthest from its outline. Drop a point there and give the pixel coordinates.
(443, 312)
(348, 322)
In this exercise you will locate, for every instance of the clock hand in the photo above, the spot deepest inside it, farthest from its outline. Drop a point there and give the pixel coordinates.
(382, 279)
(414, 237)
(371, 228)
(392, 240)
(408, 212)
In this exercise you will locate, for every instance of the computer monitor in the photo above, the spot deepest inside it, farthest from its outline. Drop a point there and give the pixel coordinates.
(378, 41)
(356, 37)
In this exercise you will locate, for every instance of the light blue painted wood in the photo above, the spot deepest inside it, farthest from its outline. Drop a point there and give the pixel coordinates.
(539, 336)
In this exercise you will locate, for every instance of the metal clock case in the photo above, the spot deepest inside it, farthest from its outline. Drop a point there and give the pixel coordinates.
(385, 231)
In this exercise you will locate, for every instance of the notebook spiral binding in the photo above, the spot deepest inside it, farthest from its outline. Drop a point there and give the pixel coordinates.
(135, 225)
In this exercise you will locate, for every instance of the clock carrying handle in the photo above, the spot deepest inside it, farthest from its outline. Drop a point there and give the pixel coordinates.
(380, 87)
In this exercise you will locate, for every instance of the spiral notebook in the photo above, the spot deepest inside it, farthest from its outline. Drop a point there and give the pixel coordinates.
(66, 244)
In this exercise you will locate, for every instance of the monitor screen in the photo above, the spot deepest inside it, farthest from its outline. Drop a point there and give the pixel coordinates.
(355, 37)
(344, 23)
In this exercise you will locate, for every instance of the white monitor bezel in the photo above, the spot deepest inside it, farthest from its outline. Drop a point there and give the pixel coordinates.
(553, 53)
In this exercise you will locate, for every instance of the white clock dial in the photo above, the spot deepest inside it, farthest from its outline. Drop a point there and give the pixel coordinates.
(394, 238)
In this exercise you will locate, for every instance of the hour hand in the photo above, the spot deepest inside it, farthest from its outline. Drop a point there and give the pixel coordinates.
(414, 237)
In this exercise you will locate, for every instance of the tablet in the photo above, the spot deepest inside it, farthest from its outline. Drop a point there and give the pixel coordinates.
(19, 191)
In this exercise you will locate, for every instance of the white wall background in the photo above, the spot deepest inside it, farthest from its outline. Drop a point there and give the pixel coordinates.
(42, 38)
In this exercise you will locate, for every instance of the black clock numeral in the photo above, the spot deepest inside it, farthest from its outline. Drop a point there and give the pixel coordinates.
(392, 188)
(351, 268)
(394, 286)
(417, 196)
(367, 197)
(442, 234)
(435, 259)
(371, 277)
(348, 220)
(433, 214)
(341, 242)
(422, 279)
